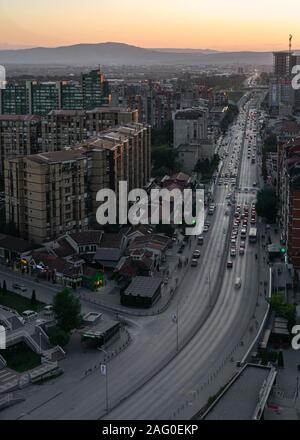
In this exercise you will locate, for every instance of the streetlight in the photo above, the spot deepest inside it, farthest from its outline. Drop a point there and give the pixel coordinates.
(104, 372)
(175, 318)
(209, 289)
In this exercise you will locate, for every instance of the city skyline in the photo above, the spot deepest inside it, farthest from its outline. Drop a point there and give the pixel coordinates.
(194, 24)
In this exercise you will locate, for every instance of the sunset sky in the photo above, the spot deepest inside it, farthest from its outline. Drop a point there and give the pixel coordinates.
(220, 24)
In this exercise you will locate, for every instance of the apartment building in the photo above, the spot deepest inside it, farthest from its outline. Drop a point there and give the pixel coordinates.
(62, 128)
(107, 117)
(120, 154)
(48, 194)
(289, 196)
(22, 135)
(191, 136)
(19, 136)
(40, 97)
(95, 89)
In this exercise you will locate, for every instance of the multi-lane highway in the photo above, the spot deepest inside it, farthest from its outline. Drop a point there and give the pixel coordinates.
(151, 380)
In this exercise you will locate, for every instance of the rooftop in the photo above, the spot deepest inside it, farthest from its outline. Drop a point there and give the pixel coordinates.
(239, 400)
(56, 156)
(143, 286)
(21, 118)
(87, 237)
(15, 244)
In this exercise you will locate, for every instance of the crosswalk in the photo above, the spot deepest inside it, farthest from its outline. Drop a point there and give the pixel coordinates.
(7, 376)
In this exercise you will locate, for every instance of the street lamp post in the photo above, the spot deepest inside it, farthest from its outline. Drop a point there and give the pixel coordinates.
(175, 320)
(209, 290)
(104, 372)
(40, 342)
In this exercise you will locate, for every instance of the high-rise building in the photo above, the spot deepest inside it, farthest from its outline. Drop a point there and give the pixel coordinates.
(46, 193)
(191, 136)
(289, 197)
(19, 136)
(70, 95)
(282, 63)
(39, 98)
(13, 99)
(106, 117)
(190, 125)
(42, 97)
(51, 193)
(62, 128)
(94, 89)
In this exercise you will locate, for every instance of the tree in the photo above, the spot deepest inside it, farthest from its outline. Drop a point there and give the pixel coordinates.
(165, 229)
(266, 204)
(67, 309)
(164, 160)
(207, 167)
(229, 117)
(163, 135)
(280, 359)
(283, 309)
(58, 336)
(270, 144)
(33, 298)
(4, 288)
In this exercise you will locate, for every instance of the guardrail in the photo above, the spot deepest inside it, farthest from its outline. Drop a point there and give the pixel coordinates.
(20, 335)
(2, 362)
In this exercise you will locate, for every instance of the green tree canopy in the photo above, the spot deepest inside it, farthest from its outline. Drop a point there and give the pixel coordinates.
(283, 309)
(164, 160)
(270, 144)
(67, 309)
(58, 336)
(266, 204)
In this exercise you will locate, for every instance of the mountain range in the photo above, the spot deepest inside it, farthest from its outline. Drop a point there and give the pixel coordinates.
(125, 54)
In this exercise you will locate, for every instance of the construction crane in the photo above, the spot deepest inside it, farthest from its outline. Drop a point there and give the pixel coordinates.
(290, 43)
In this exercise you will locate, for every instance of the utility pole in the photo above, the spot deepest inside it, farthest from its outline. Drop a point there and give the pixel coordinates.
(175, 319)
(104, 372)
(209, 289)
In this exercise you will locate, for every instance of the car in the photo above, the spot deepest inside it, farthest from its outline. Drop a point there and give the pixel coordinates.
(238, 283)
(48, 310)
(19, 287)
(200, 239)
(29, 315)
(254, 184)
(194, 262)
(242, 250)
(233, 252)
(229, 264)
(205, 229)
(243, 244)
(196, 254)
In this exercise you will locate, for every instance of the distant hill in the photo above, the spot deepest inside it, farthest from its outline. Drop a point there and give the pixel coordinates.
(125, 54)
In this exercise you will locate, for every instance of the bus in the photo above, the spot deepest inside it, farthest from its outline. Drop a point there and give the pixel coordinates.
(253, 235)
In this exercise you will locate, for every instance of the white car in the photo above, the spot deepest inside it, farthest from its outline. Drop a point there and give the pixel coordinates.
(29, 315)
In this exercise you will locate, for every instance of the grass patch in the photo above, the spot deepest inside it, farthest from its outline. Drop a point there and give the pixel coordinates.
(20, 358)
(19, 303)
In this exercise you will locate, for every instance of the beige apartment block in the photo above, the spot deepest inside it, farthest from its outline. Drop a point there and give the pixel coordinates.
(48, 194)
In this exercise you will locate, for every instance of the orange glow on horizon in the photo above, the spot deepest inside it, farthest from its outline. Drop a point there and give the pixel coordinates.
(196, 24)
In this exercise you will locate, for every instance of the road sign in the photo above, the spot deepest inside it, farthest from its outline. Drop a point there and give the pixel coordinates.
(103, 369)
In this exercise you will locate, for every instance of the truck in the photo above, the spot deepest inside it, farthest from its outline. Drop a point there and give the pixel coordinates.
(253, 235)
